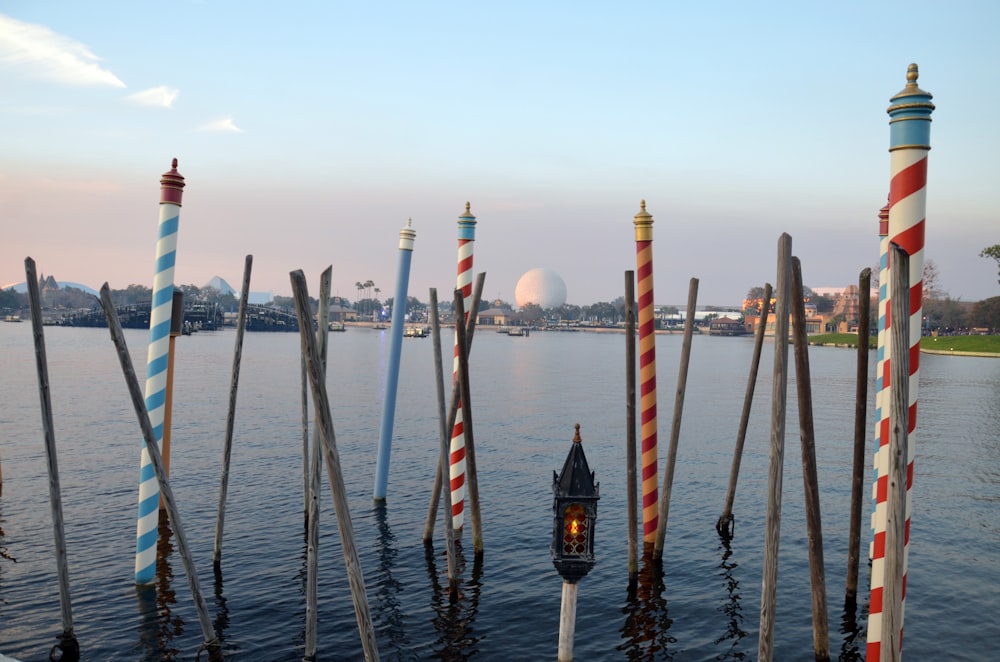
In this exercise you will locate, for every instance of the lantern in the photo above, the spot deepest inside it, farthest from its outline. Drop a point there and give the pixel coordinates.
(574, 513)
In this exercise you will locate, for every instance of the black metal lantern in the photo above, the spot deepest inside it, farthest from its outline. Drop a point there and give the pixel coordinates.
(574, 513)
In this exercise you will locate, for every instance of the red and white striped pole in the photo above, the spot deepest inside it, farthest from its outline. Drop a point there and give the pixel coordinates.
(910, 124)
(647, 372)
(456, 460)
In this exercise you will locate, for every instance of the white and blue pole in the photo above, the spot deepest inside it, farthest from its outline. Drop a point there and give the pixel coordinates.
(406, 237)
(157, 359)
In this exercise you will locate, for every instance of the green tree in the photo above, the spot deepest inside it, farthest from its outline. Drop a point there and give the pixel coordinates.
(992, 252)
(986, 313)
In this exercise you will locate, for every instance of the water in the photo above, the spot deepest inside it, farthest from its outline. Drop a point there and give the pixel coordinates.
(527, 395)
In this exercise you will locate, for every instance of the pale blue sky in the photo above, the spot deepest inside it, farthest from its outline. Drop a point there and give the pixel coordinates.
(310, 131)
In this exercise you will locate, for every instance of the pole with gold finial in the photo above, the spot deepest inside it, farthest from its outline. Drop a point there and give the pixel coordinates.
(909, 143)
(647, 373)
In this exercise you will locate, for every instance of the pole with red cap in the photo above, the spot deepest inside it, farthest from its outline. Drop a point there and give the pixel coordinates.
(157, 357)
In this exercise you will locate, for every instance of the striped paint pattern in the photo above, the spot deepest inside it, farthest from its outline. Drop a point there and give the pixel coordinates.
(456, 459)
(156, 373)
(882, 341)
(647, 373)
(909, 146)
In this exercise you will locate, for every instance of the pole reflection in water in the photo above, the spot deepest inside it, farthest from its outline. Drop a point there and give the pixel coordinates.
(387, 613)
(221, 621)
(646, 632)
(731, 607)
(158, 626)
(850, 649)
(454, 616)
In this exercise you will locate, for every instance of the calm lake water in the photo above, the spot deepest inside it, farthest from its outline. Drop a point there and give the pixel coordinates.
(527, 395)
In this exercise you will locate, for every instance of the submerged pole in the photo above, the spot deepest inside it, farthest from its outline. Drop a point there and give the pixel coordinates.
(810, 479)
(406, 237)
(171, 193)
(211, 642)
(726, 524)
(466, 241)
(68, 644)
(860, 437)
(675, 426)
(231, 415)
(779, 397)
(909, 143)
(647, 373)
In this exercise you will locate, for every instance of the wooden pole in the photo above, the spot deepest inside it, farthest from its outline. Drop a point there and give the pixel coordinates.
(231, 415)
(726, 525)
(67, 640)
(321, 405)
(465, 399)
(675, 426)
(860, 437)
(304, 381)
(567, 621)
(211, 642)
(176, 325)
(899, 420)
(470, 327)
(810, 480)
(630, 431)
(312, 515)
(779, 395)
(442, 466)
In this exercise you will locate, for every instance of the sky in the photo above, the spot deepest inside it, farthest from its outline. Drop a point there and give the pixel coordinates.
(310, 132)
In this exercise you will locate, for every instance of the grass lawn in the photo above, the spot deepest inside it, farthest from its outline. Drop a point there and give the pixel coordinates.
(988, 344)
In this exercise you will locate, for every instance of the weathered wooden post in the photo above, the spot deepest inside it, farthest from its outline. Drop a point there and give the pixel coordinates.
(779, 396)
(810, 480)
(321, 405)
(211, 642)
(68, 645)
(675, 425)
(176, 327)
(630, 439)
(574, 509)
(465, 397)
(726, 524)
(860, 437)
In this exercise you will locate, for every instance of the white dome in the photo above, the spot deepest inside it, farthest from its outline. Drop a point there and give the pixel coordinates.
(542, 287)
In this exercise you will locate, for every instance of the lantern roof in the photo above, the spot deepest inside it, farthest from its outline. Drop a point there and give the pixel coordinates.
(576, 479)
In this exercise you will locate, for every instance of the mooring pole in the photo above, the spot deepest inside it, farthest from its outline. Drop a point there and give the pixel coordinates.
(171, 193)
(779, 397)
(675, 425)
(909, 144)
(860, 437)
(406, 237)
(810, 479)
(176, 324)
(68, 644)
(630, 437)
(726, 524)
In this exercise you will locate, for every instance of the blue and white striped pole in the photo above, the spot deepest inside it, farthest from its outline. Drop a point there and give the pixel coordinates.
(157, 357)
(406, 237)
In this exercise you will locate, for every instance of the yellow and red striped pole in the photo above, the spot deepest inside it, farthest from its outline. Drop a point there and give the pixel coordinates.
(647, 372)
(909, 143)
(456, 459)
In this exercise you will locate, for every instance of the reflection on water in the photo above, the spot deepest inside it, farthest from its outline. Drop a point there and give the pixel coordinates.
(646, 632)
(221, 621)
(158, 626)
(731, 607)
(454, 617)
(387, 613)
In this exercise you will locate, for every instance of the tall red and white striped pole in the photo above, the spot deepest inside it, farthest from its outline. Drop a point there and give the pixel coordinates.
(647, 372)
(909, 143)
(881, 388)
(456, 460)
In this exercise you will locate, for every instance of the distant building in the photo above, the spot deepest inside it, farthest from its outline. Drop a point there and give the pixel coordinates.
(726, 326)
(493, 317)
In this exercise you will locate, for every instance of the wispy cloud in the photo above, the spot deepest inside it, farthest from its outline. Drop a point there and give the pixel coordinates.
(161, 97)
(225, 124)
(43, 53)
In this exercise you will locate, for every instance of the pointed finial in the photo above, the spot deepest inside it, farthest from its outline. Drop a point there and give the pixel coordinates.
(912, 73)
(468, 208)
(576, 438)
(171, 186)
(409, 221)
(643, 222)
(173, 164)
(642, 205)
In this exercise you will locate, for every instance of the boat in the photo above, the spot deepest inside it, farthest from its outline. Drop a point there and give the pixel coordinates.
(415, 332)
(520, 331)
(337, 326)
(12, 318)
